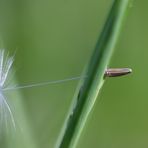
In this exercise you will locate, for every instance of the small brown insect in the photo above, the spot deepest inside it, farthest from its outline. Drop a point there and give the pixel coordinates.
(115, 72)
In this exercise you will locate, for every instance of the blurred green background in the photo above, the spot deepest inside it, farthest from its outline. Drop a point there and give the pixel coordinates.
(53, 40)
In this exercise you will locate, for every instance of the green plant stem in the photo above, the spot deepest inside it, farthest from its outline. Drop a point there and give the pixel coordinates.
(96, 68)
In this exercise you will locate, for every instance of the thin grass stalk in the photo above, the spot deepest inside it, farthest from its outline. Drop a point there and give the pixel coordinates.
(95, 76)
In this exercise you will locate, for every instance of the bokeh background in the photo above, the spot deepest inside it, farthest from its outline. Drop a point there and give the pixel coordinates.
(54, 39)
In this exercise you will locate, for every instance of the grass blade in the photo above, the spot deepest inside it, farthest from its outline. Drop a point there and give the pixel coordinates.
(96, 68)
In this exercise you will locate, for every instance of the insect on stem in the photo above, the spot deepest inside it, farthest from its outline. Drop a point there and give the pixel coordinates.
(115, 72)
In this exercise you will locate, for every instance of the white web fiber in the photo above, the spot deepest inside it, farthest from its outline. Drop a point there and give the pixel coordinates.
(6, 115)
(6, 62)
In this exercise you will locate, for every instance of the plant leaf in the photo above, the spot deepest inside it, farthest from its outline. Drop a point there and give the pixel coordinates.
(95, 76)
